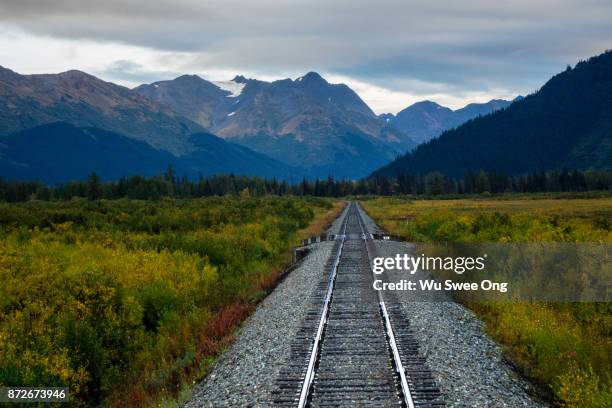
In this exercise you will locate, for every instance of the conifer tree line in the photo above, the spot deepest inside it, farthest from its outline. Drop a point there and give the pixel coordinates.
(430, 184)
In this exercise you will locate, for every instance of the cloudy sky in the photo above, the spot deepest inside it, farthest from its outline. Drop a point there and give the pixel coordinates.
(393, 53)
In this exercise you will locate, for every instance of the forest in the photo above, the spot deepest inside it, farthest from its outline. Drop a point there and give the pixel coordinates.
(562, 347)
(431, 184)
(128, 301)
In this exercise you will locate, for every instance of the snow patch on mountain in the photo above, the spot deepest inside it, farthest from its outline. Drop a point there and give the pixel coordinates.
(234, 88)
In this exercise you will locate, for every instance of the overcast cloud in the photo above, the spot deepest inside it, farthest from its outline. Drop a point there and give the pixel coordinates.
(392, 53)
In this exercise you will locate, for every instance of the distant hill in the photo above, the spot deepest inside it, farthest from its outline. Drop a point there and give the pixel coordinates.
(308, 122)
(566, 124)
(425, 120)
(60, 152)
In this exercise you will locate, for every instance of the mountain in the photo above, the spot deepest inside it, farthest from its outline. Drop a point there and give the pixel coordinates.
(81, 99)
(110, 129)
(60, 152)
(308, 122)
(425, 120)
(566, 124)
(195, 98)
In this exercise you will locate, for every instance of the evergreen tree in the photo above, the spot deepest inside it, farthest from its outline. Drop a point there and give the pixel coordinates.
(93, 186)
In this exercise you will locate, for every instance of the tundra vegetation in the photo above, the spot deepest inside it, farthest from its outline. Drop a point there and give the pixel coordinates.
(128, 301)
(564, 347)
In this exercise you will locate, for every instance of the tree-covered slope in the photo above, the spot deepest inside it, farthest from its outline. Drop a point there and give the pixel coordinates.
(566, 124)
(60, 152)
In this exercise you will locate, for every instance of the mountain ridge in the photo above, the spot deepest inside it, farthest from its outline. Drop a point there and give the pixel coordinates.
(85, 100)
(32, 105)
(307, 122)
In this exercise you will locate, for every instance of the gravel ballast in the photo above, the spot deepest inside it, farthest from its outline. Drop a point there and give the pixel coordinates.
(336, 226)
(246, 373)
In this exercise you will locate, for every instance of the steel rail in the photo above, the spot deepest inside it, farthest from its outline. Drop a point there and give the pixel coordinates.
(389, 329)
(310, 370)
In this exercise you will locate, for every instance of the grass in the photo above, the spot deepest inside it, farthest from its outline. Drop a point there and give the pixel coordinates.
(564, 347)
(322, 221)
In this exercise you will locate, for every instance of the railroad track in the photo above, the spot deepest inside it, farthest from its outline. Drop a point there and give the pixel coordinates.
(354, 348)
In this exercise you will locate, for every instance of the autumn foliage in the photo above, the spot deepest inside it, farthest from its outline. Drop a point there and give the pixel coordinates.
(125, 300)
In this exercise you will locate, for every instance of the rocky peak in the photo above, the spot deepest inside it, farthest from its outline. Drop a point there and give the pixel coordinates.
(312, 77)
(427, 105)
(240, 79)
(188, 79)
